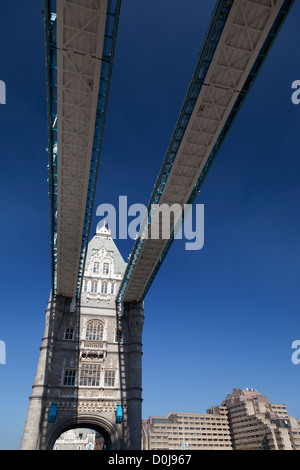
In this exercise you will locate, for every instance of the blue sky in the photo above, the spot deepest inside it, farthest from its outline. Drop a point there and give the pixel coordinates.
(215, 319)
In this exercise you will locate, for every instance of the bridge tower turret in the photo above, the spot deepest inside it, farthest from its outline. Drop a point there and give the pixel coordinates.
(90, 360)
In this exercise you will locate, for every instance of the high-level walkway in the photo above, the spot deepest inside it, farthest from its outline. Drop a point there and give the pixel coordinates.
(238, 40)
(80, 44)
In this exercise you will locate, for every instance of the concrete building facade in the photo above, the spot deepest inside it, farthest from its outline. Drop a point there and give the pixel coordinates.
(193, 431)
(245, 420)
(257, 424)
(90, 363)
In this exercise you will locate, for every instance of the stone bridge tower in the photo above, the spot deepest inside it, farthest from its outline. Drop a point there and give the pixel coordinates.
(89, 372)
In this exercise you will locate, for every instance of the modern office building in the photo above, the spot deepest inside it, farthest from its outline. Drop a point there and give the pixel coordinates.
(245, 420)
(257, 424)
(194, 431)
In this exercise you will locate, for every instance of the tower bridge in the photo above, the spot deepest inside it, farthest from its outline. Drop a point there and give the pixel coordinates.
(89, 371)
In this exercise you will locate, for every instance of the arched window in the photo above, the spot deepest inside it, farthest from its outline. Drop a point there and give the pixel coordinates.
(94, 331)
(104, 288)
(85, 286)
(94, 287)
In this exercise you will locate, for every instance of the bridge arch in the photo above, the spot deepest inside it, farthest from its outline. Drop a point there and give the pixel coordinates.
(97, 423)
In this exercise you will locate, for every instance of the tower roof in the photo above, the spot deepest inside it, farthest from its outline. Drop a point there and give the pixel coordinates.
(103, 238)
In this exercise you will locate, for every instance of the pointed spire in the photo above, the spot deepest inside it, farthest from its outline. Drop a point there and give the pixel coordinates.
(103, 230)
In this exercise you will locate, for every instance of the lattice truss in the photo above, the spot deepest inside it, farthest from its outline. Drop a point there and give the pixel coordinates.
(80, 36)
(242, 39)
(245, 30)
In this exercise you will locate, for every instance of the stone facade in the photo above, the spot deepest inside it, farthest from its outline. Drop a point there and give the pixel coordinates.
(76, 439)
(90, 359)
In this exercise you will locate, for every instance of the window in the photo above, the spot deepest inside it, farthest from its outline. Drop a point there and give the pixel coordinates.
(94, 331)
(94, 287)
(69, 378)
(109, 378)
(105, 268)
(69, 334)
(96, 268)
(118, 336)
(104, 288)
(85, 286)
(90, 375)
(112, 289)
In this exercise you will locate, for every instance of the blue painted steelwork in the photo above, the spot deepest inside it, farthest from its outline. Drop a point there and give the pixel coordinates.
(111, 28)
(52, 413)
(214, 32)
(112, 20)
(218, 20)
(51, 80)
(119, 413)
